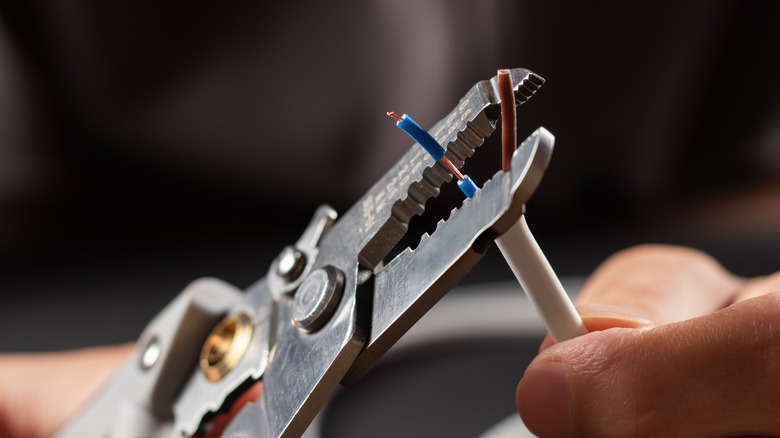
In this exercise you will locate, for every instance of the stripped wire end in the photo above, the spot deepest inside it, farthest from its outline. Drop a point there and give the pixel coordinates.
(421, 136)
(395, 116)
(455, 171)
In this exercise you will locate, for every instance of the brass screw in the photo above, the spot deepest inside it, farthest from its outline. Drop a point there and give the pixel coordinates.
(225, 346)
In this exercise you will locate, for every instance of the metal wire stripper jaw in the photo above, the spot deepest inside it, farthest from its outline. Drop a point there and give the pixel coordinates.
(330, 305)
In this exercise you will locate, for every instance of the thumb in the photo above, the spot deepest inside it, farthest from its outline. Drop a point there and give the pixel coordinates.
(715, 375)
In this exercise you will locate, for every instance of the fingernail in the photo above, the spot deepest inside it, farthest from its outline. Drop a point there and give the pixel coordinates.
(613, 316)
(543, 400)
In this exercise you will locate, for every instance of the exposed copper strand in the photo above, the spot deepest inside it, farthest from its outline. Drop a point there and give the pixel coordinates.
(450, 165)
(393, 115)
(508, 118)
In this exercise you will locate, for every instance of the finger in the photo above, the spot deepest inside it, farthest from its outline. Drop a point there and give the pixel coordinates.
(716, 375)
(656, 283)
(649, 285)
(597, 317)
(39, 392)
(759, 286)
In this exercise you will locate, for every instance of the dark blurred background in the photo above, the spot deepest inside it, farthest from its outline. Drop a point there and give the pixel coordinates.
(146, 144)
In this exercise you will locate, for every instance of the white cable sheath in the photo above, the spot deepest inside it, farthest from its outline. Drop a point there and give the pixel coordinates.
(539, 282)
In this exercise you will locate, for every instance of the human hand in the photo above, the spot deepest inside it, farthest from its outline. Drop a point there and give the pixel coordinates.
(39, 392)
(679, 348)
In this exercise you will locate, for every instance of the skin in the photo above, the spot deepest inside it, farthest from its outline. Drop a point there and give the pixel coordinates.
(39, 392)
(679, 347)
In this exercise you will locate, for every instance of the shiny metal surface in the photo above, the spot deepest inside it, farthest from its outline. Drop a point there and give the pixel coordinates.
(415, 280)
(201, 397)
(225, 346)
(151, 354)
(290, 264)
(380, 218)
(306, 369)
(139, 403)
(317, 298)
(361, 306)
